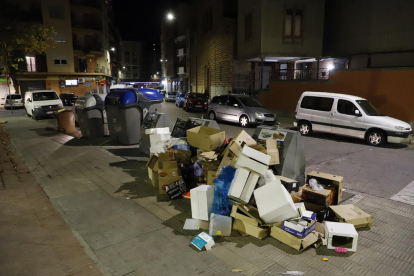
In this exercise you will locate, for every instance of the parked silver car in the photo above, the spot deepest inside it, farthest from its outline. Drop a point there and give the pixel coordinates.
(14, 100)
(170, 96)
(240, 108)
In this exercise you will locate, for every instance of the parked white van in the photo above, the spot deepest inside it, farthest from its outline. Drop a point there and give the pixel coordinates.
(350, 116)
(41, 103)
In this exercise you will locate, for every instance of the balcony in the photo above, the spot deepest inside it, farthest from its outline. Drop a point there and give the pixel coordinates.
(301, 74)
(181, 71)
(181, 52)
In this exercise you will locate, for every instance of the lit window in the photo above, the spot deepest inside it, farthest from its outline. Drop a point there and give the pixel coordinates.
(293, 23)
(31, 64)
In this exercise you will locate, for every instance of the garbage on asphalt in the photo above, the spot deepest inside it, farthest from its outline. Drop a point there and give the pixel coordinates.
(252, 186)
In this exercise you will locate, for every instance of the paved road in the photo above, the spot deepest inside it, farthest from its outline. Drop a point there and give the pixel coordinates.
(381, 172)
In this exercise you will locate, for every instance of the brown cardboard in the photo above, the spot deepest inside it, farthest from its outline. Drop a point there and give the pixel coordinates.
(205, 138)
(296, 196)
(314, 207)
(181, 156)
(349, 213)
(152, 162)
(295, 242)
(250, 229)
(246, 213)
(259, 148)
(234, 148)
(165, 181)
(227, 159)
(324, 197)
(329, 180)
(242, 138)
(211, 175)
(271, 146)
(154, 177)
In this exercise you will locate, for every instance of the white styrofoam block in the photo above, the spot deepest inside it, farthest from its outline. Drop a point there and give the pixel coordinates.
(160, 130)
(274, 202)
(249, 187)
(301, 208)
(294, 225)
(158, 138)
(256, 155)
(202, 201)
(157, 149)
(246, 162)
(341, 229)
(238, 182)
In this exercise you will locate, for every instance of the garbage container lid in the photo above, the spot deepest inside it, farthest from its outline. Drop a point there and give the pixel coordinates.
(121, 97)
(88, 100)
(150, 94)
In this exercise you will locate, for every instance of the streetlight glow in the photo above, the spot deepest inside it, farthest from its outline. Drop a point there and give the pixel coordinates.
(331, 67)
(113, 49)
(170, 16)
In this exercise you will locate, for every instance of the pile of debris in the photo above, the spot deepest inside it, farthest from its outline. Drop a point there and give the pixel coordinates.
(255, 186)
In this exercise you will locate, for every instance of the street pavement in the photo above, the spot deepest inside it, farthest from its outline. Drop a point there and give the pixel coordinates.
(102, 192)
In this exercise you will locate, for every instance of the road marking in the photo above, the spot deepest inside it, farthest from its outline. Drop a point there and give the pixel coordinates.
(406, 195)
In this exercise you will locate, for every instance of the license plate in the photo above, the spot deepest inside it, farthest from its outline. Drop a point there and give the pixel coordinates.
(199, 106)
(49, 112)
(269, 119)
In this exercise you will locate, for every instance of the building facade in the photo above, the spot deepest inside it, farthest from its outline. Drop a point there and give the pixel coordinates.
(81, 60)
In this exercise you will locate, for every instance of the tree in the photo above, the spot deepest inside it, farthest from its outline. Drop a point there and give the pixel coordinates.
(20, 30)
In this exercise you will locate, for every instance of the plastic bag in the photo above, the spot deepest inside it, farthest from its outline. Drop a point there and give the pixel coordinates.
(266, 178)
(198, 171)
(314, 185)
(221, 189)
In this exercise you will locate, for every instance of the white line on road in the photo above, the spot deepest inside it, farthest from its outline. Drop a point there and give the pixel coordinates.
(406, 195)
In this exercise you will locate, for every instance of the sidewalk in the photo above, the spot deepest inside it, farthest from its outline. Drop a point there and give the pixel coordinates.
(103, 194)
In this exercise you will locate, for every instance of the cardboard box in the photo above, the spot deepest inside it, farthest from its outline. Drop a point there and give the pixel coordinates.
(157, 139)
(154, 177)
(298, 229)
(300, 207)
(205, 138)
(242, 138)
(176, 189)
(181, 156)
(324, 197)
(256, 155)
(152, 162)
(161, 130)
(297, 196)
(249, 229)
(341, 235)
(274, 202)
(349, 213)
(291, 185)
(246, 213)
(163, 182)
(297, 243)
(210, 176)
(329, 181)
(245, 162)
(203, 240)
(273, 152)
(202, 201)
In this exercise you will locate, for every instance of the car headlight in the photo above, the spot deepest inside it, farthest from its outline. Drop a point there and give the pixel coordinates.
(399, 128)
(258, 114)
(37, 106)
(60, 105)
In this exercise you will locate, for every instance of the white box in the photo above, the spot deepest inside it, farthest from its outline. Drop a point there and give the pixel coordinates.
(161, 130)
(157, 149)
(256, 155)
(301, 208)
(249, 187)
(238, 183)
(344, 231)
(274, 202)
(158, 138)
(202, 201)
(244, 161)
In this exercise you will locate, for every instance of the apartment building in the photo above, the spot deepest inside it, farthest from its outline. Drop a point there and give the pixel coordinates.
(81, 60)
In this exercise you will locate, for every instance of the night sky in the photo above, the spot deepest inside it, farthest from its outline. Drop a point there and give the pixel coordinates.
(141, 21)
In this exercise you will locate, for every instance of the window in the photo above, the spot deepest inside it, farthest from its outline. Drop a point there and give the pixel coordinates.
(56, 12)
(135, 75)
(60, 62)
(346, 107)
(232, 101)
(368, 108)
(45, 96)
(134, 68)
(324, 104)
(208, 20)
(248, 27)
(127, 53)
(293, 23)
(221, 100)
(135, 61)
(308, 102)
(31, 64)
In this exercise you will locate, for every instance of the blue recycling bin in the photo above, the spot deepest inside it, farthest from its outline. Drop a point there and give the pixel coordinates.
(125, 109)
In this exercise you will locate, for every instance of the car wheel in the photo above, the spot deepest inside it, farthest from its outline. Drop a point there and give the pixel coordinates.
(376, 138)
(212, 116)
(244, 121)
(188, 109)
(34, 117)
(305, 128)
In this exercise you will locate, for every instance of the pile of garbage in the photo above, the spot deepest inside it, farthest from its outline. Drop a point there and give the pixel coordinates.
(253, 186)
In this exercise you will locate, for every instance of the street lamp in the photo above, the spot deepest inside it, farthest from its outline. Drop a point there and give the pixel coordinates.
(113, 49)
(170, 16)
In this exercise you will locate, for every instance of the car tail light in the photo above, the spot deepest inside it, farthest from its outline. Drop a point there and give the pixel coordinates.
(21, 101)
(7, 101)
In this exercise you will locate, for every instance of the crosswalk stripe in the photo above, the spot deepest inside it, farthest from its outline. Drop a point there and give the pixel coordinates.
(406, 195)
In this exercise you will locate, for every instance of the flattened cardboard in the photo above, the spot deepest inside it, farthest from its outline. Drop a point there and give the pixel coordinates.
(349, 213)
(205, 138)
(256, 155)
(329, 180)
(295, 242)
(272, 150)
(324, 197)
(247, 213)
(249, 229)
(153, 162)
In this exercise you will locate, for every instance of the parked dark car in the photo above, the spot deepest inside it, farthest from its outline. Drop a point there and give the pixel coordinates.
(68, 99)
(195, 101)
